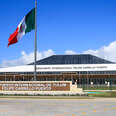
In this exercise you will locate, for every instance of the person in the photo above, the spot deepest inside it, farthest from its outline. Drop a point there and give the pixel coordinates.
(76, 82)
(73, 81)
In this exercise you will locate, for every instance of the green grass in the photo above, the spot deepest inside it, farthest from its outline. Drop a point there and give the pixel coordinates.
(46, 96)
(90, 96)
(103, 94)
(99, 88)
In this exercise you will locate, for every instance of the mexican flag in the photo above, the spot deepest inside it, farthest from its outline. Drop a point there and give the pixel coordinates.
(26, 25)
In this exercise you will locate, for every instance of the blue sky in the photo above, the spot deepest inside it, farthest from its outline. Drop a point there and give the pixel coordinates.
(80, 26)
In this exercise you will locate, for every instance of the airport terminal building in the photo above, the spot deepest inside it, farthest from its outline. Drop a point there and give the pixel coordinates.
(83, 69)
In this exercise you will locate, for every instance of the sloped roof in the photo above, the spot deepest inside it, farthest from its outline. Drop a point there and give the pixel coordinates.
(72, 59)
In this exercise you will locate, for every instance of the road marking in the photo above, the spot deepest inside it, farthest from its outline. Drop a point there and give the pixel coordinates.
(73, 115)
(82, 104)
(94, 110)
(83, 112)
(114, 108)
(105, 109)
(15, 115)
(62, 114)
(107, 104)
(3, 110)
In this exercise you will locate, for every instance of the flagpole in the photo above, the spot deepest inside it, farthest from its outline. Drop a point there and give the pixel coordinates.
(35, 50)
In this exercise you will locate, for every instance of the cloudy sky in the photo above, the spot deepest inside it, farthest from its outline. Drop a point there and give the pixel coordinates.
(64, 27)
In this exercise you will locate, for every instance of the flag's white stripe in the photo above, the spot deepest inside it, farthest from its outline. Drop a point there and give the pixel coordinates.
(21, 33)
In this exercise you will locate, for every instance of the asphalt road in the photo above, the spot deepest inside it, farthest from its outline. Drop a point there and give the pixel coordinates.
(58, 107)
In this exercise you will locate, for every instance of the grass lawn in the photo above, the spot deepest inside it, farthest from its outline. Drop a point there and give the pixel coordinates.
(102, 94)
(99, 88)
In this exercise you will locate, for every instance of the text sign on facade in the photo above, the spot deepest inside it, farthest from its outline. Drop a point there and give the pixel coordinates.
(85, 67)
(57, 86)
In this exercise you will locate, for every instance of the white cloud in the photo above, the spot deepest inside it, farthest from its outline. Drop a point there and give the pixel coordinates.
(26, 58)
(108, 52)
(69, 52)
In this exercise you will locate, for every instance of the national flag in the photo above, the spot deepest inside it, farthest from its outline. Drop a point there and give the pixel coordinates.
(26, 25)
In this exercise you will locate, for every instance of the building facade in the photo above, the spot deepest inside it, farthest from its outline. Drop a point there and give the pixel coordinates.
(85, 70)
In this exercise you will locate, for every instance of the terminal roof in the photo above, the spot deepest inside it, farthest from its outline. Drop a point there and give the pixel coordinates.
(72, 59)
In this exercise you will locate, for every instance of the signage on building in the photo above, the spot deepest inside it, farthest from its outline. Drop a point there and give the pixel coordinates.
(72, 67)
(47, 86)
(58, 68)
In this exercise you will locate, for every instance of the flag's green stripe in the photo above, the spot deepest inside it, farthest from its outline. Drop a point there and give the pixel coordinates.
(30, 21)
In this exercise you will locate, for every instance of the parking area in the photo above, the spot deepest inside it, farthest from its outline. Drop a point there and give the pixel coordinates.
(58, 107)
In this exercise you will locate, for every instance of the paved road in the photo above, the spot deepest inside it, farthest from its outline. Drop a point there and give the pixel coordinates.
(55, 107)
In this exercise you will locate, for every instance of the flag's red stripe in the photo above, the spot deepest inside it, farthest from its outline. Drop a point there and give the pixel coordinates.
(13, 37)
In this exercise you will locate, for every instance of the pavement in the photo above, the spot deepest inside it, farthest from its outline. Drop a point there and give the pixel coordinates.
(58, 107)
